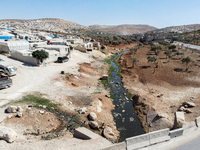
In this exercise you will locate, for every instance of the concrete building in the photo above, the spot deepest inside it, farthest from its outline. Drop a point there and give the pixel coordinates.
(6, 36)
(62, 49)
(13, 45)
(26, 56)
(75, 41)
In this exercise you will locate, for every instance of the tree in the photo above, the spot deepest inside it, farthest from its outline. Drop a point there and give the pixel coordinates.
(172, 46)
(178, 53)
(135, 60)
(156, 49)
(187, 60)
(40, 55)
(168, 53)
(153, 59)
(134, 49)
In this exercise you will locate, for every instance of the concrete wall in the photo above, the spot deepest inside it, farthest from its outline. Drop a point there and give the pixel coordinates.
(4, 49)
(27, 59)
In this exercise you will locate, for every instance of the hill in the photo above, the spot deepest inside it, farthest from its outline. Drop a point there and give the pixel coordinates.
(42, 24)
(180, 29)
(125, 29)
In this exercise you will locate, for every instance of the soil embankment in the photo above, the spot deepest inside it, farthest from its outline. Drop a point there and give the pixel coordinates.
(157, 96)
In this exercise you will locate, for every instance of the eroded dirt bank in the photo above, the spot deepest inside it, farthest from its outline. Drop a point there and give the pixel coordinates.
(160, 94)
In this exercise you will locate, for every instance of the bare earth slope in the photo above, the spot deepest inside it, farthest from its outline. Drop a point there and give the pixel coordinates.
(123, 29)
(162, 91)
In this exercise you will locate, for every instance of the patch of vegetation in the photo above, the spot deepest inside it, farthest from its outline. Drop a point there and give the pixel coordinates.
(103, 52)
(111, 69)
(129, 95)
(105, 83)
(107, 60)
(119, 73)
(112, 95)
(36, 101)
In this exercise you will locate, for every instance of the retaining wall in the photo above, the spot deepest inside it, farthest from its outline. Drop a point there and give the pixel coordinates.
(159, 136)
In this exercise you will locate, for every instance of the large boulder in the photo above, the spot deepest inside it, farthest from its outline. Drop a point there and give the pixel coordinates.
(94, 125)
(11, 109)
(92, 116)
(108, 133)
(7, 134)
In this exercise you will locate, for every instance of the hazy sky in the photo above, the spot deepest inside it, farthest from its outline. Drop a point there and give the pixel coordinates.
(158, 13)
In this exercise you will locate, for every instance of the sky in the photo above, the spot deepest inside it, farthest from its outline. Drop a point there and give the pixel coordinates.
(157, 13)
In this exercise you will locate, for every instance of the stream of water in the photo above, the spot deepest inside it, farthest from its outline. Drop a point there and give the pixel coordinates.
(124, 116)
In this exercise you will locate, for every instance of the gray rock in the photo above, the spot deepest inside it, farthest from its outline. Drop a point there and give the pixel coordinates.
(82, 110)
(11, 109)
(7, 134)
(19, 108)
(108, 133)
(19, 114)
(41, 111)
(131, 119)
(181, 108)
(93, 125)
(187, 110)
(189, 104)
(92, 116)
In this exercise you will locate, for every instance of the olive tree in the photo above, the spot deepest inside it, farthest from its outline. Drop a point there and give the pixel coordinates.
(153, 59)
(40, 55)
(187, 61)
(156, 49)
(135, 60)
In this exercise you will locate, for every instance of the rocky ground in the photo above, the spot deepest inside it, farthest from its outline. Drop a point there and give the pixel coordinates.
(160, 94)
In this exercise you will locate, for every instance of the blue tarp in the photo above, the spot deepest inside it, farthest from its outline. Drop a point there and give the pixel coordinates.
(5, 37)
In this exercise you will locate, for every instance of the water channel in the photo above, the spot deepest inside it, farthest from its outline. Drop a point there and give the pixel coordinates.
(124, 116)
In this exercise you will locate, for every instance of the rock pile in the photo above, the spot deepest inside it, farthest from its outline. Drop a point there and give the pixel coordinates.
(185, 106)
(14, 109)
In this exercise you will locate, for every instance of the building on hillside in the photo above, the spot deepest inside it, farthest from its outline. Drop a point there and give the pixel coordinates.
(13, 45)
(62, 49)
(75, 41)
(86, 39)
(26, 56)
(96, 45)
(6, 36)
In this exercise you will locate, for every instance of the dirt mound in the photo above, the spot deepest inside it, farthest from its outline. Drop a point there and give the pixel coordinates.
(35, 122)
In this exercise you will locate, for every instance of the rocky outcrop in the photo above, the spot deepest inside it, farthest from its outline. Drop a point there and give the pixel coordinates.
(7, 134)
